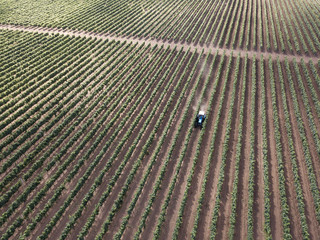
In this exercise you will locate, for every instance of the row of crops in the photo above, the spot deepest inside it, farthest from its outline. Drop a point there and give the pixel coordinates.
(282, 26)
(97, 141)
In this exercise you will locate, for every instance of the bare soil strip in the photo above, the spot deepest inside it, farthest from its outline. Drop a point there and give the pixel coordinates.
(226, 196)
(258, 205)
(242, 206)
(275, 204)
(153, 42)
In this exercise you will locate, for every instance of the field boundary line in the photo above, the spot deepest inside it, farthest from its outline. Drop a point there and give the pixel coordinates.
(153, 42)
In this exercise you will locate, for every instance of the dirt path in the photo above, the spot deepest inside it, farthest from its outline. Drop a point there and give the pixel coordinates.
(258, 197)
(242, 207)
(273, 174)
(153, 42)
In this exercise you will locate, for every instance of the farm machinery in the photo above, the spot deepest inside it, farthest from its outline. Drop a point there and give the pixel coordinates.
(200, 119)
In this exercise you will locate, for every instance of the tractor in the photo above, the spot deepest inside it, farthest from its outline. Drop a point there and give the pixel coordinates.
(199, 119)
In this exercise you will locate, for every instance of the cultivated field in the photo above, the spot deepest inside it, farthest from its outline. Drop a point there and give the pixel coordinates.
(97, 105)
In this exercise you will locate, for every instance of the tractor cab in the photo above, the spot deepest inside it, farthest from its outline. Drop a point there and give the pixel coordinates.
(199, 119)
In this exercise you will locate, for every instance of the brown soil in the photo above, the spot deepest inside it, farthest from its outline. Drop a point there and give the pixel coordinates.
(242, 196)
(275, 214)
(258, 205)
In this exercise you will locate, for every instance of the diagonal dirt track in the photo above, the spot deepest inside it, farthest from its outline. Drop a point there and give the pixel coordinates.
(166, 44)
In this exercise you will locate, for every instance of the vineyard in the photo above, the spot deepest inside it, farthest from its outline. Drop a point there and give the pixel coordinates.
(97, 109)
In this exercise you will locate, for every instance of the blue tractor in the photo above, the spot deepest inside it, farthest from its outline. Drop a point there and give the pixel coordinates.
(200, 119)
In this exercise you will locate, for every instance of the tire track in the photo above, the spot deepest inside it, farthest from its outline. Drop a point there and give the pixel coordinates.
(153, 42)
